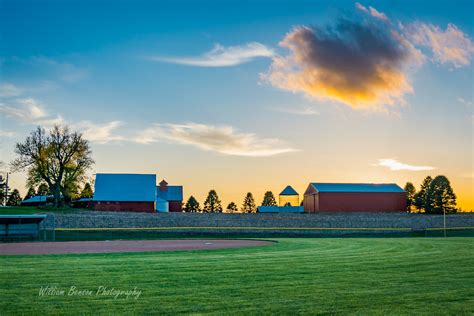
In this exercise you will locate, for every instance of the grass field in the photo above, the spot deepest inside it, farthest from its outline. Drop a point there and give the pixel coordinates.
(28, 210)
(328, 276)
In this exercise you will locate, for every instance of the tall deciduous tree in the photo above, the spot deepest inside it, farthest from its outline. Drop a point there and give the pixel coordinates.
(87, 191)
(249, 204)
(59, 158)
(421, 197)
(269, 199)
(192, 205)
(232, 207)
(411, 193)
(31, 192)
(43, 189)
(212, 204)
(14, 199)
(441, 197)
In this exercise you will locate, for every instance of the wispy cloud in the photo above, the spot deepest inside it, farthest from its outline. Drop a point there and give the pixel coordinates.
(372, 11)
(63, 70)
(6, 133)
(396, 165)
(305, 111)
(9, 90)
(451, 46)
(101, 133)
(221, 56)
(465, 102)
(222, 139)
(30, 111)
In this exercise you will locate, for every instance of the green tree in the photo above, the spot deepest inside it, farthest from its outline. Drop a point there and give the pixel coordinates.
(212, 204)
(411, 194)
(3, 184)
(87, 191)
(421, 197)
(192, 205)
(441, 197)
(249, 204)
(60, 159)
(232, 208)
(269, 199)
(14, 199)
(31, 192)
(43, 189)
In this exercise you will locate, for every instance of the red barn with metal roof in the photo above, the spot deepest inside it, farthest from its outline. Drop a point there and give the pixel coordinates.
(354, 197)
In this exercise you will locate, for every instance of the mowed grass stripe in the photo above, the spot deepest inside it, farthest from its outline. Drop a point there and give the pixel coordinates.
(250, 228)
(364, 276)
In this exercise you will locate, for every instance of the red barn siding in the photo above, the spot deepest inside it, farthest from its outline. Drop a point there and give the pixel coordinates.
(355, 202)
(124, 206)
(175, 206)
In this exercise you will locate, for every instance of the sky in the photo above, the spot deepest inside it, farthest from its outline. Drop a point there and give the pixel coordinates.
(247, 96)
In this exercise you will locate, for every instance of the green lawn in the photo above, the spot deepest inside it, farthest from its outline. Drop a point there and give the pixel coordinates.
(295, 276)
(27, 210)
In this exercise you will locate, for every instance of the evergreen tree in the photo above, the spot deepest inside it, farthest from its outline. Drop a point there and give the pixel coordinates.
(31, 192)
(87, 191)
(269, 199)
(411, 194)
(441, 197)
(249, 204)
(192, 205)
(421, 197)
(232, 208)
(212, 204)
(43, 189)
(14, 199)
(3, 189)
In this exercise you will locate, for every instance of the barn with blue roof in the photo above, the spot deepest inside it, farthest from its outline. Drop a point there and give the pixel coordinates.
(354, 197)
(125, 192)
(172, 194)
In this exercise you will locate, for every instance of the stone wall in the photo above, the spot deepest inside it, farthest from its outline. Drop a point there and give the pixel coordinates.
(337, 223)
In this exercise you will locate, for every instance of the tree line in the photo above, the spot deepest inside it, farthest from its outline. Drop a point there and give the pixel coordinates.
(213, 204)
(435, 196)
(57, 162)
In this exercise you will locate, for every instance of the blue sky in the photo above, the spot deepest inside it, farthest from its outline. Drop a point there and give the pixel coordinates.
(120, 72)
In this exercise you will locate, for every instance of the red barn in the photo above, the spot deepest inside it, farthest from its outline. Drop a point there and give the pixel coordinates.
(125, 192)
(173, 194)
(354, 197)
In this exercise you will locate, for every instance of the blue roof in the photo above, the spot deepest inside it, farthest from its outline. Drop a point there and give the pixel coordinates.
(357, 187)
(37, 199)
(289, 191)
(280, 209)
(173, 193)
(125, 187)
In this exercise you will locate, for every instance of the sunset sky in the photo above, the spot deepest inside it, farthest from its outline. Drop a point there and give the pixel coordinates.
(248, 95)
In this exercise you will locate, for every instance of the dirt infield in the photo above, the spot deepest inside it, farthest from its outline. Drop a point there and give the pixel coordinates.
(43, 248)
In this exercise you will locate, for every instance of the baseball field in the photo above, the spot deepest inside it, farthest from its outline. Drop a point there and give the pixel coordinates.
(293, 276)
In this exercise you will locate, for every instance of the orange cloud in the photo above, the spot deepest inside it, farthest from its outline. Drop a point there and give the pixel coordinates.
(360, 64)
